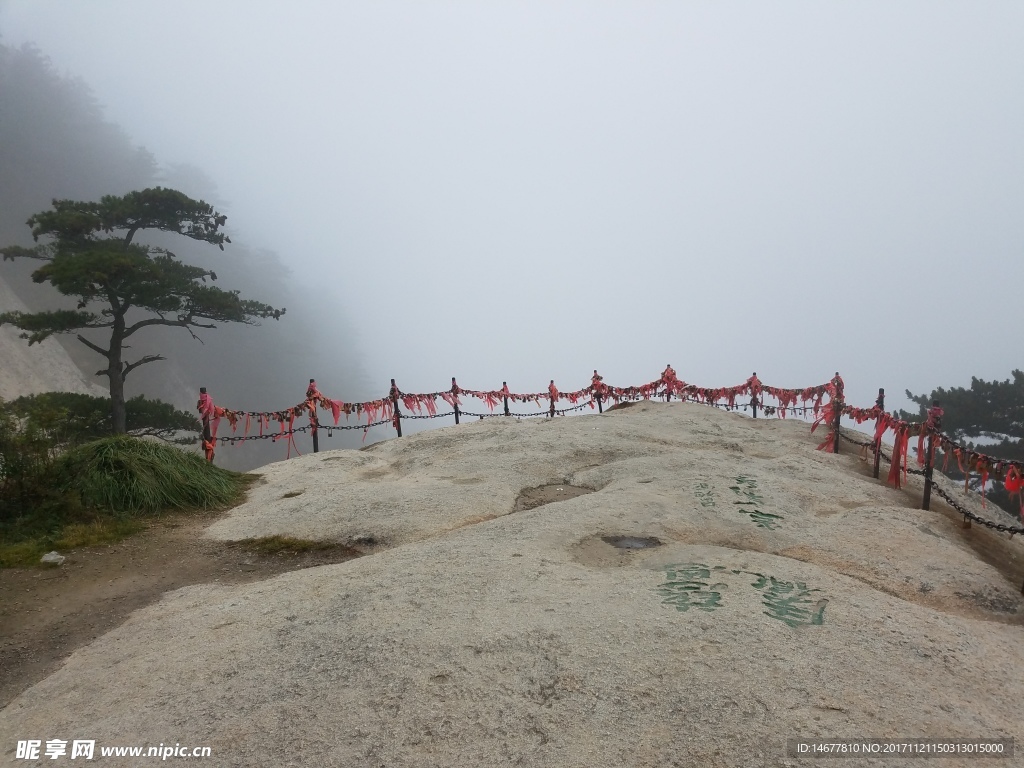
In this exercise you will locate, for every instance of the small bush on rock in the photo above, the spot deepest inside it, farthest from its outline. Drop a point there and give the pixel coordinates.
(126, 474)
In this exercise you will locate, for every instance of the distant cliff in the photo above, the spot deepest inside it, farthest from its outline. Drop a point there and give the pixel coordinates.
(43, 368)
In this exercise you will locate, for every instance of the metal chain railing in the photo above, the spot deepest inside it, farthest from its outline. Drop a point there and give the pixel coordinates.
(668, 387)
(1011, 529)
(940, 491)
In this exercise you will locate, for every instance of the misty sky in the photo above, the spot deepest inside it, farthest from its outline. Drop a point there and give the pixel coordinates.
(531, 190)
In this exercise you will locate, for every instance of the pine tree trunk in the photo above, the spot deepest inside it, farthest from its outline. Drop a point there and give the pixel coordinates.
(117, 400)
(118, 412)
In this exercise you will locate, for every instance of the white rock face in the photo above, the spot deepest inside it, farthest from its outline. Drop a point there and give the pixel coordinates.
(792, 596)
(43, 367)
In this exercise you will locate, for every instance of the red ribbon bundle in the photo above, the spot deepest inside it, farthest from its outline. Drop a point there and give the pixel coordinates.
(899, 454)
(1014, 483)
(828, 416)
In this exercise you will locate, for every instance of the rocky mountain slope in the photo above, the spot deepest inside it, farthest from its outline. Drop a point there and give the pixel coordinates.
(41, 368)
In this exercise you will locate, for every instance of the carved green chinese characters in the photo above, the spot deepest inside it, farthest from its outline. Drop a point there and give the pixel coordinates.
(700, 586)
(790, 601)
(750, 500)
(689, 586)
(704, 495)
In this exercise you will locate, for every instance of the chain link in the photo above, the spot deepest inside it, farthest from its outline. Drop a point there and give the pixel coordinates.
(1011, 529)
(269, 436)
(331, 428)
(558, 412)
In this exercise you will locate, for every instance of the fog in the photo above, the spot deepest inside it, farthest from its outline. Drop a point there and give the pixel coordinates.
(530, 191)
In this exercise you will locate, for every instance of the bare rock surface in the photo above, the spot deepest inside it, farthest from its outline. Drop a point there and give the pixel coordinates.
(763, 591)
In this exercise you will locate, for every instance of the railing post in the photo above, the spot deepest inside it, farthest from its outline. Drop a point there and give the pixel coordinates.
(927, 498)
(933, 424)
(880, 405)
(207, 433)
(753, 397)
(314, 422)
(838, 384)
(504, 388)
(208, 444)
(394, 404)
(668, 377)
(455, 402)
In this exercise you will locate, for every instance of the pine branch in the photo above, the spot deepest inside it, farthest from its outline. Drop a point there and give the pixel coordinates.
(12, 252)
(94, 347)
(141, 361)
(41, 325)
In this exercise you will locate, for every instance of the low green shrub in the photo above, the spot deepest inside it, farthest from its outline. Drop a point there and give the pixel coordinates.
(27, 456)
(125, 474)
(94, 493)
(71, 418)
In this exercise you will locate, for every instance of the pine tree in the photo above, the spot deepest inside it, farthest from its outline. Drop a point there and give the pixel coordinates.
(125, 286)
(990, 411)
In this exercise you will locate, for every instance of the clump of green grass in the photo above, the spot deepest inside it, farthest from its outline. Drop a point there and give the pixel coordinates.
(126, 475)
(274, 545)
(103, 530)
(94, 494)
(22, 554)
(99, 531)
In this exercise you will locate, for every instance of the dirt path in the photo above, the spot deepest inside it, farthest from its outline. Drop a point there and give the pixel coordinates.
(47, 613)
